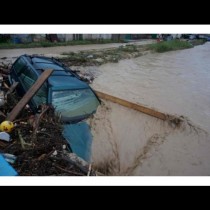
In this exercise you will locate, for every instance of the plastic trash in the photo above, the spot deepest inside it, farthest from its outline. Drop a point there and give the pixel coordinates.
(6, 126)
(9, 157)
(6, 169)
(4, 136)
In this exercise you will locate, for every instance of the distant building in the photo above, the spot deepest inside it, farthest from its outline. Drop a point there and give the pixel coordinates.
(70, 37)
(23, 38)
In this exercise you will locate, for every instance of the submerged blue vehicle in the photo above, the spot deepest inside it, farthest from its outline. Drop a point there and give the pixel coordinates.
(73, 99)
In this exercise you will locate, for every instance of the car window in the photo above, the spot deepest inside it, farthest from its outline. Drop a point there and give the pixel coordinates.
(28, 77)
(75, 103)
(19, 65)
(30, 73)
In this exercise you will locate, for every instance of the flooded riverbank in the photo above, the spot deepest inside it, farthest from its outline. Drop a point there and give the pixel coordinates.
(127, 142)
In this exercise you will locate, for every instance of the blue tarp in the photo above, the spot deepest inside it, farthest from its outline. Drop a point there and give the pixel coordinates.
(80, 139)
(6, 169)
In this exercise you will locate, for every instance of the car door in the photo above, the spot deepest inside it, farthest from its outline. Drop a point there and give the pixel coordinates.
(28, 77)
(18, 67)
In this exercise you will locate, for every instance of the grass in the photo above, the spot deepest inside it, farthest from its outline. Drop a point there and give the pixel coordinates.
(165, 46)
(195, 42)
(10, 45)
(98, 57)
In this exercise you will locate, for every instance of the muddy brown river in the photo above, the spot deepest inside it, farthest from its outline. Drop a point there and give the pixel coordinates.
(127, 142)
(130, 143)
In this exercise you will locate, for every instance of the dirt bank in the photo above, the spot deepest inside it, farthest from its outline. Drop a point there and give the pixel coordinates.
(127, 142)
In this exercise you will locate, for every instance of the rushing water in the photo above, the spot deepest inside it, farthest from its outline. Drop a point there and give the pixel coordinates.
(127, 142)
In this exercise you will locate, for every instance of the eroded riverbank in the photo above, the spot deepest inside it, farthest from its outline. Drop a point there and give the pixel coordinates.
(130, 143)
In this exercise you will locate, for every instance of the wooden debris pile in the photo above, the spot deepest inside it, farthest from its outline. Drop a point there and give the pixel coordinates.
(37, 140)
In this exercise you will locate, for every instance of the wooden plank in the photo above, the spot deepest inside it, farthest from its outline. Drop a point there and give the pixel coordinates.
(131, 105)
(30, 93)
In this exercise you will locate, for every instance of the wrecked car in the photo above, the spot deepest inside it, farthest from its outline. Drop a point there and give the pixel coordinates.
(72, 98)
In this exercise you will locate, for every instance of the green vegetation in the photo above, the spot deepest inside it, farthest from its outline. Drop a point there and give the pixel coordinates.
(4, 38)
(10, 45)
(165, 46)
(195, 42)
(98, 57)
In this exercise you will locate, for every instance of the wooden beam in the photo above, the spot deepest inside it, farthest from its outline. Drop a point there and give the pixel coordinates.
(29, 94)
(131, 105)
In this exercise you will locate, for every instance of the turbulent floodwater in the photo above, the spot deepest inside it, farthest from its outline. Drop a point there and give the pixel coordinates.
(127, 142)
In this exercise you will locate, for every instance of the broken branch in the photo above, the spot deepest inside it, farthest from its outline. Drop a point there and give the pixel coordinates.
(67, 171)
(89, 169)
(11, 89)
(38, 117)
(22, 142)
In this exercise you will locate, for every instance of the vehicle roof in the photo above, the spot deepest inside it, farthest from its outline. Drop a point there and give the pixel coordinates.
(62, 77)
